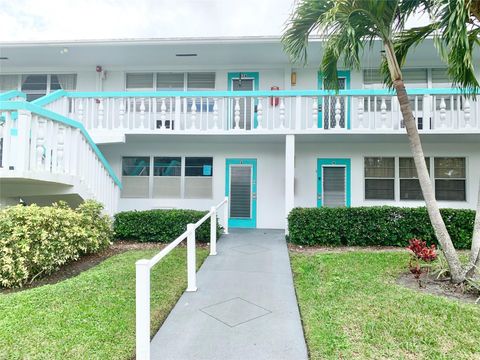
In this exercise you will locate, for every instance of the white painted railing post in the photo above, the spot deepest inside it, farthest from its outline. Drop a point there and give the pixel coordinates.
(142, 303)
(226, 216)
(213, 231)
(191, 259)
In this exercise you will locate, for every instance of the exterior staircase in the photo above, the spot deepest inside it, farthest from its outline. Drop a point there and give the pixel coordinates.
(46, 157)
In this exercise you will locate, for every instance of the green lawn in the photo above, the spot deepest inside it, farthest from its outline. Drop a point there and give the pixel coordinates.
(352, 309)
(91, 316)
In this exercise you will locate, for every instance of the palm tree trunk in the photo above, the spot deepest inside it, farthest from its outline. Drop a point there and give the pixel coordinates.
(441, 232)
(474, 261)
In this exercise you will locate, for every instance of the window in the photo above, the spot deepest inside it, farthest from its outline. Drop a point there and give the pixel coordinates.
(167, 172)
(37, 85)
(139, 82)
(170, 81)
(135, 177)
(409, 184)
(450, 179)
(379, 178)
(171, 177)
(198, 177)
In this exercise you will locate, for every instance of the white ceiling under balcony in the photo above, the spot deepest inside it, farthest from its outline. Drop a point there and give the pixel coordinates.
(211, 52)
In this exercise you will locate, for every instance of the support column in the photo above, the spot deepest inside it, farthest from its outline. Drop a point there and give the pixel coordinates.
(289, 177)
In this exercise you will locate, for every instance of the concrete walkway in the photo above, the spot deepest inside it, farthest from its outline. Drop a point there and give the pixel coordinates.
(245, 307)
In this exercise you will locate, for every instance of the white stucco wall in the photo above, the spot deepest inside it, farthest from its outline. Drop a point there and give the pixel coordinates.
(270, 174)
(271, 170)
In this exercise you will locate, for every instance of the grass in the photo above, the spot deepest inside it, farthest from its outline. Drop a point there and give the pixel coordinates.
(90, 316)
(352, 309)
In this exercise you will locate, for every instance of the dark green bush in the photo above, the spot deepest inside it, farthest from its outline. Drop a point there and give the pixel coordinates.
(373, 226)
(160, 225)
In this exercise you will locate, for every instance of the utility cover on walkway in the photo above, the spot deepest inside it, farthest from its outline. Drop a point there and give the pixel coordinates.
(245, 307)
(235, 311)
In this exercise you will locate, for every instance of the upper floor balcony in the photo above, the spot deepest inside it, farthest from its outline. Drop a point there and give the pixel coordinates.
(107, 115)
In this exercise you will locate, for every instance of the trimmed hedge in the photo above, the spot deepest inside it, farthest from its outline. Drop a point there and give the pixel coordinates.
(161, 226)
(35, 241)
(375, 226)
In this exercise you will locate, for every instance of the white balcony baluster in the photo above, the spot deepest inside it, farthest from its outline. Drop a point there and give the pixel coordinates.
(100, 114)
(260, 114)
(281, 110)
(237, 114)
(216, 125)
(443, 113)
(466, 113)
(80, 110)
(60, 148)
(383, 113)
(193, 116)
(41, 132)
(360, 110)
(122, 112)
(163, 114)
(142, 113)
(314, 124)
(338, 113)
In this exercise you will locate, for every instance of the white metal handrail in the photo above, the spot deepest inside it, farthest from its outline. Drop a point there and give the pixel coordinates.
(143, 267)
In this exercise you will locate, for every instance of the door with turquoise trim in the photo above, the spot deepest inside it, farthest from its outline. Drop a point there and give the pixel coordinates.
(333, 182)
(241, 189)
(244, 81)
(327, 104)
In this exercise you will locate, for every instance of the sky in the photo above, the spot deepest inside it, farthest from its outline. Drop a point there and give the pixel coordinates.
(23, 20)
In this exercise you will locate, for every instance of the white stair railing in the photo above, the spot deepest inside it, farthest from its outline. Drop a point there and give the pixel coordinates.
(143, 268)
(39, 144)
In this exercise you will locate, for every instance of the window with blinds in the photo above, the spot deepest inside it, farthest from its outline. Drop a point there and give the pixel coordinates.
(409, 184)
(440, 78)
(372, 78)
(379, 178)
(201, 81)
(139, 81)
(171, 81)
(450, 178)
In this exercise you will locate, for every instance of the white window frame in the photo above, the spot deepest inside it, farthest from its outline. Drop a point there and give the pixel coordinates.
(434, 178)
(395, 186)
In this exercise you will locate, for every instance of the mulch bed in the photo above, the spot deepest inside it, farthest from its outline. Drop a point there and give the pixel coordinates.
(441, 287)
(339, 249)
(88, 261)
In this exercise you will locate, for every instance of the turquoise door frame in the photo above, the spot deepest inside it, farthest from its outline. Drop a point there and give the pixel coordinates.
(334, 162)
(253, 75)
(243, 222)
(341, 74)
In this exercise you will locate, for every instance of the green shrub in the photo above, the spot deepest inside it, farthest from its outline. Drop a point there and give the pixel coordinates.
(372, 226)
(35, 241)
(160, 225)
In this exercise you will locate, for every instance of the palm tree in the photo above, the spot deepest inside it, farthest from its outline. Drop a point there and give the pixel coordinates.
(348, 26)
(455, 25)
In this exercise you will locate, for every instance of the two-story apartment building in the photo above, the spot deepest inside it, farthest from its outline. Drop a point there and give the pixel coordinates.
(182, 123)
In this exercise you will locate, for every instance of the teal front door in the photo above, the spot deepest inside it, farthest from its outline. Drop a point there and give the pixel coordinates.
(241, 189)
(333, 182)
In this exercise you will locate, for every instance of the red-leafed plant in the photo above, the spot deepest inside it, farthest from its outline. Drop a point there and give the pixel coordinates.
(420, 253)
